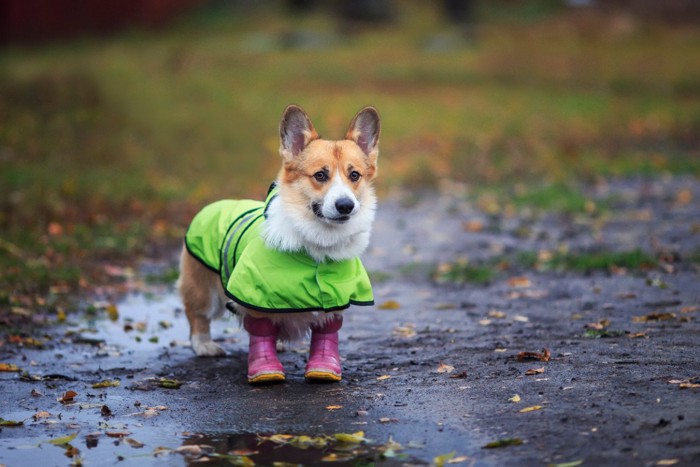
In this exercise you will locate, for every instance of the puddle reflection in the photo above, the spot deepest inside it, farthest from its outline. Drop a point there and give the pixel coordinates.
(290, 450)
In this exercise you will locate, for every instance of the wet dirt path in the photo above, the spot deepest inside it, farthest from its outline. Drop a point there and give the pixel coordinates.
(432, 367)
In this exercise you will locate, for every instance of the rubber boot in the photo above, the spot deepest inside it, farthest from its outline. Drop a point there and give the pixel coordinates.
(324, 360)
(263, 364)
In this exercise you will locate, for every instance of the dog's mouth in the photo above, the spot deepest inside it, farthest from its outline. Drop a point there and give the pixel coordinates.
(316, 208)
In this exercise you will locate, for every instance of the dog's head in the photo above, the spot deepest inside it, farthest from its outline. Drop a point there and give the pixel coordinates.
(326, 199)
(330, 179)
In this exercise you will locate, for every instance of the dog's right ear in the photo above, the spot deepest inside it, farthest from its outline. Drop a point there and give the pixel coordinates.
(296, 132)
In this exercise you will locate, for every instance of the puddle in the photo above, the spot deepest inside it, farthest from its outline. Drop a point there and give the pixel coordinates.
(97, 448)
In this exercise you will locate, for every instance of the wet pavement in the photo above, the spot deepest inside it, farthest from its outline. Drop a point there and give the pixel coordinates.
(431, 374)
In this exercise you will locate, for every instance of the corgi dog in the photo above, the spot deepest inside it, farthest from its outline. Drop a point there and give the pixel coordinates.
(290, 265)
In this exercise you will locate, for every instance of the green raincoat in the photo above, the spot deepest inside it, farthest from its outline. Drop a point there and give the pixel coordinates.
(225, 236)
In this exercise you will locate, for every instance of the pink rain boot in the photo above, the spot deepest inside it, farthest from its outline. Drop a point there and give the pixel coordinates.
(324, 360)
(263, 365)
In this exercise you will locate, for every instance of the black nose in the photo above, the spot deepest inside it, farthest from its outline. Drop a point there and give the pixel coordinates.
(344, 206)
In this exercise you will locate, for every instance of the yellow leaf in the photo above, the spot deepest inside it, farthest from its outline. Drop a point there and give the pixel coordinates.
(334, 407)
(515, 398)
(62, 440)
(61, 315)
(356, 437)
(383, 377)
(9, 367)
(112, 312)
(458, 460)
(389, 305)
(106, 384)
(531, 408)
(439, 461)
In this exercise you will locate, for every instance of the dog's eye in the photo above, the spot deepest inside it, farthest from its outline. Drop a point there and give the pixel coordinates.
(354, 176)
(321, 176)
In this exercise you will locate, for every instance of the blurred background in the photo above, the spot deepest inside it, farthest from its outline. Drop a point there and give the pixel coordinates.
(120, 118)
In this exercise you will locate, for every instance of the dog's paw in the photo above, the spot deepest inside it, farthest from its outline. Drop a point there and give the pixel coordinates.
(205, 347)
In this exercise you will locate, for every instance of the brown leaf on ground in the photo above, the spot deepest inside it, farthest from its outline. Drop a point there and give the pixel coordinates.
(656, 316)
(520, 282)
(599, 326)
(389, 305)
(445, 368)
(534, 371)
(543, 356)
(67, 397)
(10, 367)
(461, 375)
(40, 415)
(118, 434)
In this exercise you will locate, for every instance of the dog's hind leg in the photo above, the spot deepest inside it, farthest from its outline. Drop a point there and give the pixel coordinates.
(199, 288)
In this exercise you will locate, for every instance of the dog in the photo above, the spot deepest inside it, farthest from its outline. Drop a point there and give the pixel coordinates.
(288, 266)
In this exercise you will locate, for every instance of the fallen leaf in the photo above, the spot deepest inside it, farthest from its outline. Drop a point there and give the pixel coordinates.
(337, 457)
(667, 462)
(118, 434)
(445, 368)
(689, 385)
(40, 415)
(654, 317)
(357, 437)
(389, 305)
(334, 407)
(531, 408)
(600, 325)
(106, 384)
(112, 312)
(544, 356)
(638, 335)
(689, 309)
(36, 393)
(189, 449)
(169, 383)
(9, 367)
(534, 371)
(10, 423)
(458, 460)
(71, 451)
(501, 443)
(473, 226)
(569, 464)
(388, 420)
(243, 452)
(439, 461)
(405, 332)
(62, 440)
(133, 443)
(515, 399)
(461, 375)
(519, 282)
(496, 314)
(68, 397)
(105, 411)
(383, 377)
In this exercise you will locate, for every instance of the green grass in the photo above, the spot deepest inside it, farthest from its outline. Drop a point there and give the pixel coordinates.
(109, 137)
(484, 272)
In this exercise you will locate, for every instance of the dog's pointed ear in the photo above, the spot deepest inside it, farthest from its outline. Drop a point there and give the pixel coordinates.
(364, 130)
(296, 132)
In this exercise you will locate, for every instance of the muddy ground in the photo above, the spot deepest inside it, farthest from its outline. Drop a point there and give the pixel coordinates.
(432, 367)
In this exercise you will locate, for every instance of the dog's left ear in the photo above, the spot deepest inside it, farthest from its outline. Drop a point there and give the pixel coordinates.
(296, 132)
(364, 130)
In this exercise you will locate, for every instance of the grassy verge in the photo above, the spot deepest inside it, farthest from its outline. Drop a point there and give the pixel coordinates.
(108, 146)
